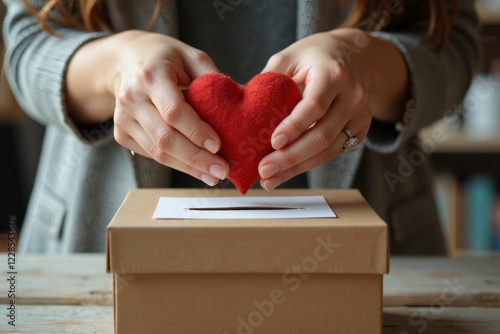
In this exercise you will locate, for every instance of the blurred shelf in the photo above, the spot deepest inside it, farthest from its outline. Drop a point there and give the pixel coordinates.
(462, 253)
(488, 14)
(461, 142)
(463, 154)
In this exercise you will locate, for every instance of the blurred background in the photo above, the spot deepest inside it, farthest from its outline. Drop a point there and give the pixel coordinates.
(465, 149)
(20, 144)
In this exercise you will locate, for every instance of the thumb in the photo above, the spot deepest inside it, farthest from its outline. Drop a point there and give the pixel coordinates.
(283, 63)
(279, 63)
(198, 63)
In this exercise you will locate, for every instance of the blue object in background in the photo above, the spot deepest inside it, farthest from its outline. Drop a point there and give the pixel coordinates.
(496, 222)
(480, 194)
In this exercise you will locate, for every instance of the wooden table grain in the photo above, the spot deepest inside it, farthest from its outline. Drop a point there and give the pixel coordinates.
(72, 294)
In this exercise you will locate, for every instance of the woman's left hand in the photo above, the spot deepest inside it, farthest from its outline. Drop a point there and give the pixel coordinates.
(336, 72)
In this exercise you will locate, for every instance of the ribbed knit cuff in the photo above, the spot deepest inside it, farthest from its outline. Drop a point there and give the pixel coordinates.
(40, 83)
(428, 92)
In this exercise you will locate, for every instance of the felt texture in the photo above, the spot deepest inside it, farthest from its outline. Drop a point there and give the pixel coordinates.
(244, 117)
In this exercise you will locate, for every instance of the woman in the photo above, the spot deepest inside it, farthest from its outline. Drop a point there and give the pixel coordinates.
(106, 79)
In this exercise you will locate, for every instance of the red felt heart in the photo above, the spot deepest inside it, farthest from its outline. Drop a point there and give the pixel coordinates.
(244, 117)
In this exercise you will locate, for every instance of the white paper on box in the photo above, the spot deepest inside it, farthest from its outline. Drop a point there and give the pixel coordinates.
(249, 207)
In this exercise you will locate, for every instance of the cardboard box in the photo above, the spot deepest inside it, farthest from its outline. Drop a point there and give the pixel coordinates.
(247, 276)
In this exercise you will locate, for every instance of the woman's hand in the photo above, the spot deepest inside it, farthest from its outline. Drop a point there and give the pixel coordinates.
(151, 117)
(347, 77)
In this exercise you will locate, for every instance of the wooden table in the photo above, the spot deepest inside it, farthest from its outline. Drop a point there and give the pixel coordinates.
(72, 294)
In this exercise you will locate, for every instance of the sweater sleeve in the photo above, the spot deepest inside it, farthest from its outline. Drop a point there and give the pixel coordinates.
(36, 63)
(439, 80)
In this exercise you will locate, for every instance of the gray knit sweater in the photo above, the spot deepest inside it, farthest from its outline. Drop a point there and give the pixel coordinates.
(84, 174)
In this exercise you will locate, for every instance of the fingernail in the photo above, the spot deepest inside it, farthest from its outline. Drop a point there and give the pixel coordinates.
(211, 145)
(279, 141)
(268, 170)
(208, 179)
(218, 171)
(272, 183)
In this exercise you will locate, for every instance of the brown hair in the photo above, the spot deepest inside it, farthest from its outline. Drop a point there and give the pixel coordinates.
(370, 15)
(376, 15)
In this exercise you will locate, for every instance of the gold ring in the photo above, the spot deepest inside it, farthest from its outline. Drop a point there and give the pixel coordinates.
(351, 142)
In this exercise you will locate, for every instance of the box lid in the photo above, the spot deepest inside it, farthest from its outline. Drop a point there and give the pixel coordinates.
(354, 242)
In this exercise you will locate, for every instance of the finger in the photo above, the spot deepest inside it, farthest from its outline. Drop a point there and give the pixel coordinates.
(141, 144)
(315, 142)
(319, 93)
(326, 155)
(179, 115)
(171, 142)
(277, 179)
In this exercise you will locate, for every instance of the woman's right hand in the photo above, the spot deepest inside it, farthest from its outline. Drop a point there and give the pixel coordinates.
(151, 117)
